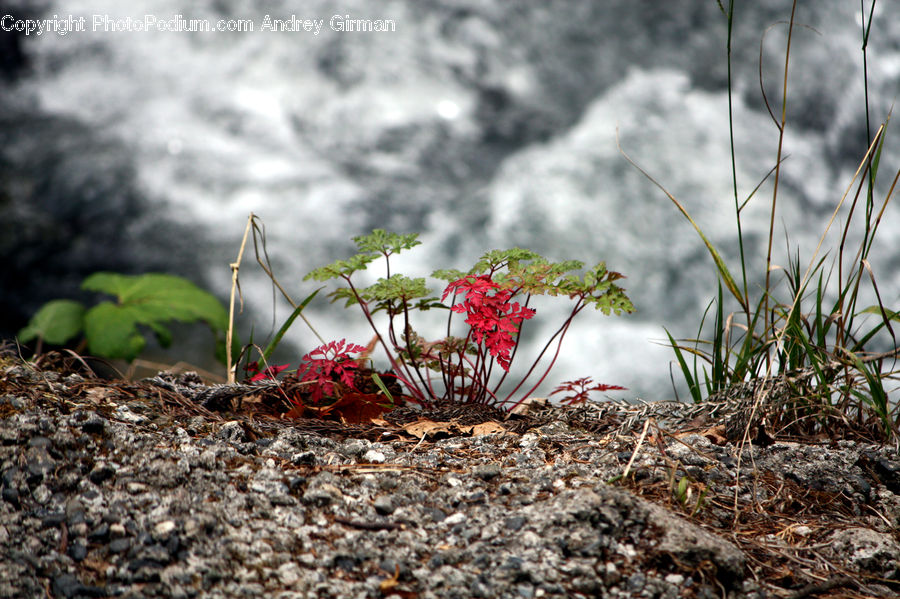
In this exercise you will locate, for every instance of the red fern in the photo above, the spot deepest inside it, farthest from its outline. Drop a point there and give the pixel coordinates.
(578, 390)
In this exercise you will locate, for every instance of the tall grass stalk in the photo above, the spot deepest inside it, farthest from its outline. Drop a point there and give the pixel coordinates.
(804, 326)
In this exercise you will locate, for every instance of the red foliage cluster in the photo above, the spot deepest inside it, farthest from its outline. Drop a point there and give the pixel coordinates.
(493, 318)
(326, 385)
(327, 364)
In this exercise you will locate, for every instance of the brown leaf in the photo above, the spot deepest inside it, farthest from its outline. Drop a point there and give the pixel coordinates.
(294, 413)
(100, 394)
(485, 428)
(441, 430)
(350, 408)
(716, 434)
(423, 428)
(530, 405)
(359, 408)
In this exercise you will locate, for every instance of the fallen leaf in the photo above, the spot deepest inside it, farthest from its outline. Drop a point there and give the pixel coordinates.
(428, 428)
(716, 434)
(529, 405)
(351, 408)
(99, 394)
(294, 412)
(359, 408)
(441, 430)
(485, 428)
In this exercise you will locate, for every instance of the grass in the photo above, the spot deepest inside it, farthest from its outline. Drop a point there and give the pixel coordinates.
(807, 324)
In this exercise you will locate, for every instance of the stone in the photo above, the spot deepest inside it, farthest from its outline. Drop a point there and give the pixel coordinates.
(487, 471)
(384, 505)
(68, 585)
(870, 551)
(165, 513)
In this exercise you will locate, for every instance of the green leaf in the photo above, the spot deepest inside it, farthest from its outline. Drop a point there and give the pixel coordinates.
(717, 258)
(891, 315)
(525, 271)
(496, 259)
(151, 300)
(448, 274)
(158, 297)
(112, 332)
(344, 293)
(341, 268)
(693, 385)
(381, 385)
(428, 303)
(163, 336)
(56, 322)
(539, 277)
(878, 397)
(597, 288)
(381, 242)
(267, 353)
(681, 491)
(397, 287)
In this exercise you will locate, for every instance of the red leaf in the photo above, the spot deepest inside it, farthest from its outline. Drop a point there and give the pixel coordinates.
(269, 373)
(579, 391)
(358, 408)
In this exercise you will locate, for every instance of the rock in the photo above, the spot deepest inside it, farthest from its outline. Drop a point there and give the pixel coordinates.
(872, 552)
(213, 514)
(373, 456)
(67, 585)
(487, 471)
(687, 544)
(384, 505)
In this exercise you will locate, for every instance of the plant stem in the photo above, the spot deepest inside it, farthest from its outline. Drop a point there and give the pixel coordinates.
(235, 267)
(561, 332)
(784, 88)
(734, 184)
(398, 367)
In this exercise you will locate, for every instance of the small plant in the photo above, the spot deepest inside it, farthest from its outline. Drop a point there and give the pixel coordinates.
(460, 368)
(578, 391)
(683, 492)
(493, 295)
(111, 329)
(330, 383)
(327, 366)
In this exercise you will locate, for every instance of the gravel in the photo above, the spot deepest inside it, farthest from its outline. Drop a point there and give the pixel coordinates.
(104, 497)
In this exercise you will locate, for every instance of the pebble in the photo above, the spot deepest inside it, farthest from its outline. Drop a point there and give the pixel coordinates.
(384, 505)
(196, 509)
(373, 456)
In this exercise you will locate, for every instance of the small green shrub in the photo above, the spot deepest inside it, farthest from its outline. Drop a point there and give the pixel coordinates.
(111, 329)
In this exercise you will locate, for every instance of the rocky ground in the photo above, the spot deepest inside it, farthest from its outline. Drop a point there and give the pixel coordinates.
(133, 490)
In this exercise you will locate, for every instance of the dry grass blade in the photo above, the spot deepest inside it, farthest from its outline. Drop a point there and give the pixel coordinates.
(235, 288)
(717, 258)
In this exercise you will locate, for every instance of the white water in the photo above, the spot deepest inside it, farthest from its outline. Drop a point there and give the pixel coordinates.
(325, 136)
